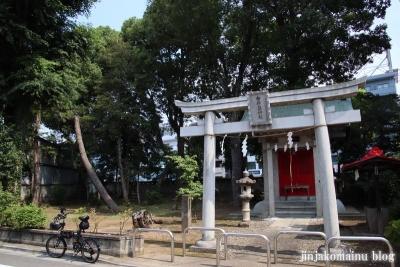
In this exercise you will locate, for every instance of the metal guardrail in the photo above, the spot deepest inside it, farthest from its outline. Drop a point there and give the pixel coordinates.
(243, 235)
(196, 228)
(296, 233)
(358, 238)
(153, 230)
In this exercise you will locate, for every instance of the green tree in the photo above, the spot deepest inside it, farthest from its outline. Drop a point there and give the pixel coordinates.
(10, 160)
(379, 127)
(35, 72)
(222, 49)
(124, 111)
(190, 171)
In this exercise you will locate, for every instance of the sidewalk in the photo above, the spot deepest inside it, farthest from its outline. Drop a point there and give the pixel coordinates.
(245, 254)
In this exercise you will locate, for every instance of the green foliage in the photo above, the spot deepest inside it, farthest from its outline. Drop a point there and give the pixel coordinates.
(9, 203)
(392, 232)
(28, 216)
(188, 165)
(154, 196)
(394, 210)
(123, 218)
(10, 159)
(190, 170)
(94, 201)
(6, 216)
(379, 126)
(58, 194)
(7, 199)
(95, 218)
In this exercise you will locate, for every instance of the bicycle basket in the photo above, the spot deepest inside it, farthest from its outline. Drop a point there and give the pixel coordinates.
(56, 225)
(84, 225)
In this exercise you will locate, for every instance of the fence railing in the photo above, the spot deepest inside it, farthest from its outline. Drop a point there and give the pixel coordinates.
(199, 229)
(153, 230)
(357, 238)
(293, 232)
(389, 258)
(225, 235)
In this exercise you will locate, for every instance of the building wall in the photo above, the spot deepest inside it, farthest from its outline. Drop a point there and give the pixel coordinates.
(381, 84)
(51, 176)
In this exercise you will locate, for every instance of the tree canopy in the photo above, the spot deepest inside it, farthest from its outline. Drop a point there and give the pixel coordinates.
(120, 84)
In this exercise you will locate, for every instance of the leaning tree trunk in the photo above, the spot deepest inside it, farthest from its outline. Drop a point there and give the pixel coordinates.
(121, 170)
(92, 174)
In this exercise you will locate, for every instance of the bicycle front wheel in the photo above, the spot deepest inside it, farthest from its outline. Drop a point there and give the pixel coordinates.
(90, 250)
(56, 246)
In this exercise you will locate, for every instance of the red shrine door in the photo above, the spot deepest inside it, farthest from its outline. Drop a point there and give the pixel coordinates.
(302, 172)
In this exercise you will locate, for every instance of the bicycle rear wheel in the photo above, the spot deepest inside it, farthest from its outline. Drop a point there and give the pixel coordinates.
(90, 250)
(56, 246)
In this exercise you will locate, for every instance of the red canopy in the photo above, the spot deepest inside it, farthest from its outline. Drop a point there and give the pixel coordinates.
(371, 160)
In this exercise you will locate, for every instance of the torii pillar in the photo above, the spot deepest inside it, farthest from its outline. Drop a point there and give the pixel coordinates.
(208, 214)
(330, 211)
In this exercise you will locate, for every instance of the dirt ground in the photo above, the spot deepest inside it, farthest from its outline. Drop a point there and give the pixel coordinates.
(159, 243)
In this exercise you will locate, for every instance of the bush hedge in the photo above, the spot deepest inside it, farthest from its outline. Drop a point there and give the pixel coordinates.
(392, 232)
(14, 214)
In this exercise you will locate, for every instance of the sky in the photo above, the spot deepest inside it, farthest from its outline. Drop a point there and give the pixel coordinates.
(114, 12)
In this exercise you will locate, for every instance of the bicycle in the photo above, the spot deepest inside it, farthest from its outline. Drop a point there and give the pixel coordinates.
(56, 244)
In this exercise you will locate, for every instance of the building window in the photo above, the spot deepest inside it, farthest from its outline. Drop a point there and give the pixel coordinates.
(382, 86)
(251, 165)
(367, 88)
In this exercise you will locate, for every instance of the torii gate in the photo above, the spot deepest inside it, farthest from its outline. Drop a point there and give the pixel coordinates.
(262, 123)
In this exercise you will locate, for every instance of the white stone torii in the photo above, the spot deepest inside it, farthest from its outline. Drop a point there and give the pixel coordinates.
(319, 119)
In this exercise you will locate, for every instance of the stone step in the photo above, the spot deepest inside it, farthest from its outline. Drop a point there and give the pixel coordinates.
(352, 216)
(291, 203)
(292, 208)
(295, 207)
(296, 215)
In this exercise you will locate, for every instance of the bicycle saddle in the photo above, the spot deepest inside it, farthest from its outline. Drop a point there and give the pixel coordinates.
(84, 218)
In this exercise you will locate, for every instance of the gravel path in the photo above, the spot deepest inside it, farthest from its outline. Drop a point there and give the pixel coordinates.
(254, 249)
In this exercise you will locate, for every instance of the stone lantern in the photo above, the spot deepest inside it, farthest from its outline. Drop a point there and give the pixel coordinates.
(245, 196)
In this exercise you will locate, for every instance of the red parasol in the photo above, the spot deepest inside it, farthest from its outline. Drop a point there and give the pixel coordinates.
(374, 158)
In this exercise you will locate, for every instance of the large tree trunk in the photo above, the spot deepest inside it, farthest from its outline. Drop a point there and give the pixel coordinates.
(237, 172)
(92, 174)
(35, 186)
(137, 190)
(121, 170)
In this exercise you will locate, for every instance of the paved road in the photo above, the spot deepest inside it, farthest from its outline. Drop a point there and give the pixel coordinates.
(17, 258)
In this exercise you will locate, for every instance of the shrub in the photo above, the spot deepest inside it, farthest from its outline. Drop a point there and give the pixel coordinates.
(94, 201)
(123, 218)
(6, 216)
(394, 210)
(392, 232)
(28, 216)
(8, 205)
(96, 219)
(7, 199)
(154, 196)
(58, 194)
